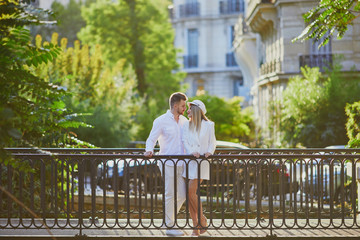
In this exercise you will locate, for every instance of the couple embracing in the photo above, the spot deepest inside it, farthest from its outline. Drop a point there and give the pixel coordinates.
(179, 136)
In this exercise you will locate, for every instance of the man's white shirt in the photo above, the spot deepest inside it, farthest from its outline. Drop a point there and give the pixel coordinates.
(169, 133)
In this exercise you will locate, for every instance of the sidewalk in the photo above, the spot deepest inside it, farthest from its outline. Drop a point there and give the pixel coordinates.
(110, 230)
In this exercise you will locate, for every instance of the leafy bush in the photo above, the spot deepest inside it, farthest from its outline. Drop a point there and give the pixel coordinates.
(231, 122)
(312, 108)
(353, 124)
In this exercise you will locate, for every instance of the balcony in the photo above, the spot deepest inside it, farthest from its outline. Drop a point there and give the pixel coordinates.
(231, 6)
(189, 10)
(322, 61)
(230, 60)
(261, 15)
(191, 61)
(270, 67)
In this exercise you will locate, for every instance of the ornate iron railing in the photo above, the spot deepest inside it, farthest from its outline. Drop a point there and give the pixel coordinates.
(191, 61)
(189, 10)
(322, 61)
(120, 188)
(231, 6)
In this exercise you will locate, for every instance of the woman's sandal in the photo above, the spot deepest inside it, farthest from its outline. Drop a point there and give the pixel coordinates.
(203, 226)
(196, 232)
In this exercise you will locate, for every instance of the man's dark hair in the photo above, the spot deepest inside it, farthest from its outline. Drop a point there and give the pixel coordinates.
(176, 97)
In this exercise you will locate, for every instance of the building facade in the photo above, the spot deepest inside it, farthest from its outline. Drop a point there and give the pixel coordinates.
(46, 4)
(205, 31)
(270, 58)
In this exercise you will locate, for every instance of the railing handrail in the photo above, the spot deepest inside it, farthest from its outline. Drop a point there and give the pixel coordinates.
(240, 156)
(277, 184)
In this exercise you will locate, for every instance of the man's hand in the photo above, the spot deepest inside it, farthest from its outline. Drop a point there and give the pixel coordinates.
(148, 154)
(196, 154)
(207, 154)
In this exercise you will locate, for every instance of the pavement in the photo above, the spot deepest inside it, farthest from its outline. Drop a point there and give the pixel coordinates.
(219, 230)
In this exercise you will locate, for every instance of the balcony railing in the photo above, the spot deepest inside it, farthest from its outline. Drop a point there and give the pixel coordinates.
(230, 60)
(270, 67)
(322, 61)
(191, 61)
(189, 10)
(231, 6)
(120, 189)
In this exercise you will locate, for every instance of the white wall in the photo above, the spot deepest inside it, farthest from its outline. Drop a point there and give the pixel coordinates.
(214, 44)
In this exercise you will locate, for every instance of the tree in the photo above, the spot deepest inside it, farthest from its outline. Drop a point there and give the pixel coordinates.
(32, 111)
(327, 17)
(106, 94)
(140, 32)
(313, 105)
(31, 108)
(231, 122)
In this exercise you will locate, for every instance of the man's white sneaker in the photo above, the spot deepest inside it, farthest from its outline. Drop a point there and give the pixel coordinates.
(174, 232)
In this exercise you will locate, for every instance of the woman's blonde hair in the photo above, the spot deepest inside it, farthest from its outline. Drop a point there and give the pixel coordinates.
(197, 117)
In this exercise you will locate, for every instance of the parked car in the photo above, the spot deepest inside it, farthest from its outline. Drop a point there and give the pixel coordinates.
(226, 144)
(258, 178)
(133, 176)
(139, 172)
(326, 178)
(143, 175)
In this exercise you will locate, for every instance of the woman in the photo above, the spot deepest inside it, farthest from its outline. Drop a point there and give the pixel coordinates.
(199, 139)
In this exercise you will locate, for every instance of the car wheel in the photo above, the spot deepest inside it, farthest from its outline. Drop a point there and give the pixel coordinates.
(136, 187)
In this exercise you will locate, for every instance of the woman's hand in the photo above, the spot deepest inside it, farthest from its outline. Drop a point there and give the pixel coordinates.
(196, 154)
(207, 155)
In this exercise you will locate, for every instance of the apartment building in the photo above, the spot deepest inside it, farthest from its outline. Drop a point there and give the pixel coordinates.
(46, 4)
(205, 31)
(268, 56)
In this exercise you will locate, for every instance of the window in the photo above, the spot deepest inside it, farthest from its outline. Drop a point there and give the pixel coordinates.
(191, 60)
(192, 42)
(191, 8)
(230, 56)
(238, 83)
(231, 37)
(317, 57)
(231, 6)
(314, 47)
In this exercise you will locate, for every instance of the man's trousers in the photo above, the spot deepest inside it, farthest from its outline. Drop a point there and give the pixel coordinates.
(170, 192)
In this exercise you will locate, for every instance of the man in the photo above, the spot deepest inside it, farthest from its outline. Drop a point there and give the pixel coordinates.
(167, 130)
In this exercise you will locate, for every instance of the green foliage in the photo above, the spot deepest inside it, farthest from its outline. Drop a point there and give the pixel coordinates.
(231, 122)
(69, 21)
(313, 108)
(140, 32)
(31, 108)
(327, 17)
(106, 94)
(353, 124)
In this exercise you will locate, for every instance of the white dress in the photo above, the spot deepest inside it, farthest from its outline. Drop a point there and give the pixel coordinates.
(202, 143)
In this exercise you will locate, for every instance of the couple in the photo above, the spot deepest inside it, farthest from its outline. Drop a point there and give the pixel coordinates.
(179, 136)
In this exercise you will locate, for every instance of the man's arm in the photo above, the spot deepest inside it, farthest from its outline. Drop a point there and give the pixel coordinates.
(153, 137)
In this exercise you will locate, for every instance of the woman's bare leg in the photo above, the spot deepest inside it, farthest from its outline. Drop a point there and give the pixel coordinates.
(194, 205)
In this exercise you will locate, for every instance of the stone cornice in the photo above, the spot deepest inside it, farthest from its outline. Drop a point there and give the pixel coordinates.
(261, 16)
